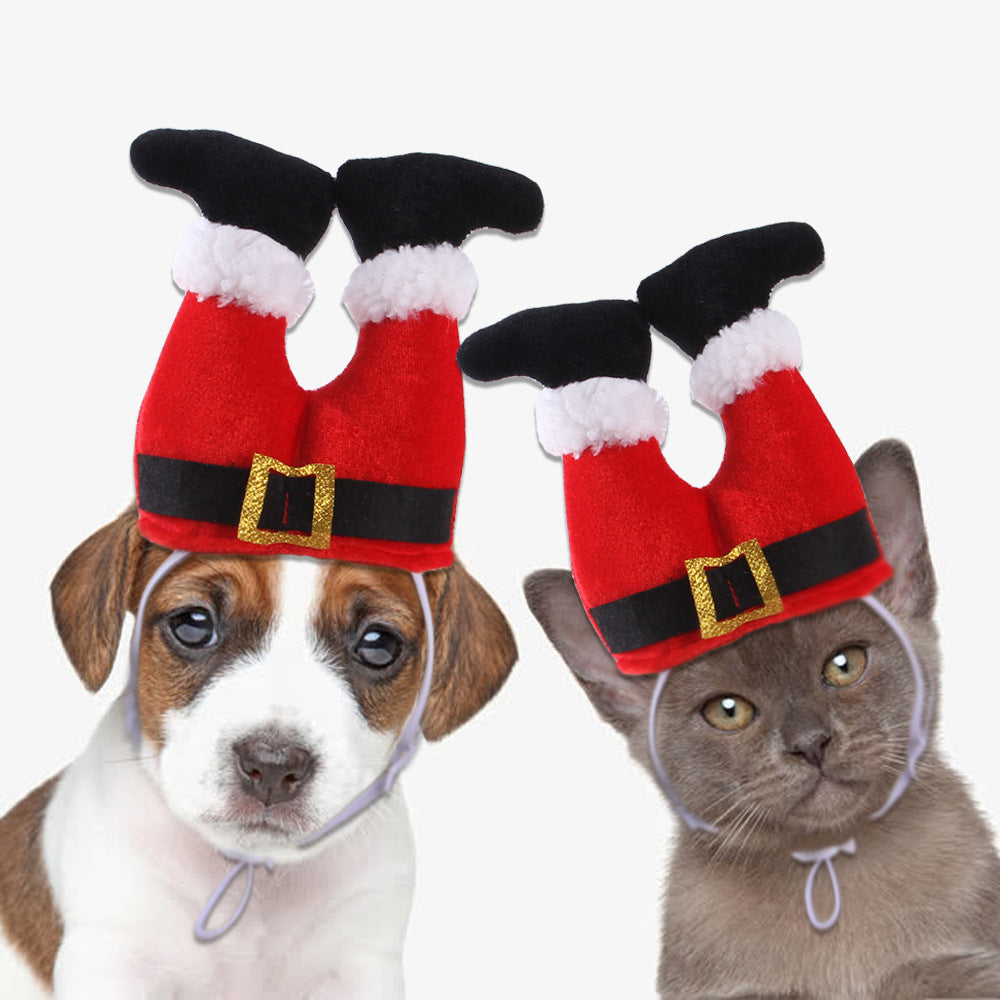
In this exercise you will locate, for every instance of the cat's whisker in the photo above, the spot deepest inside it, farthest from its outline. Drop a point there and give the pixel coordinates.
(720, 850)
(728, 845)
(747, 791)
(893, 758)
(735, 833)
(758, 822)
(727, 830)
(744, 792)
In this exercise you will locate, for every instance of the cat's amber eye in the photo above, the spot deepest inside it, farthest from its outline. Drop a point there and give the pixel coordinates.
(845, 667)
(728, 712)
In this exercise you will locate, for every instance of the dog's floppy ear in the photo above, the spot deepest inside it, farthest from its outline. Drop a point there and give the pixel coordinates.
(474, 650)
(619, 699)
(90, 594)
(889, 479)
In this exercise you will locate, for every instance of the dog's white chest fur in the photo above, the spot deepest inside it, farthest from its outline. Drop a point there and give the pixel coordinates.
(130, 881)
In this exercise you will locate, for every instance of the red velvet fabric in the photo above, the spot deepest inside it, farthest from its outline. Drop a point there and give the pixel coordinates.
(222, 390)
(633, 521)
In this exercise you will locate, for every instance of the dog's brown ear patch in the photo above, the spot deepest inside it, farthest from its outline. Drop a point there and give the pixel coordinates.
(474, 650)
(90, 594)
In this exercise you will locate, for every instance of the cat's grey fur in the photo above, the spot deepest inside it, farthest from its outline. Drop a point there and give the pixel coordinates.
(921, 898)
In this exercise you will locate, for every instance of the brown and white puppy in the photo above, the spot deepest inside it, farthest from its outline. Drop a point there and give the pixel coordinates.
(270, 693)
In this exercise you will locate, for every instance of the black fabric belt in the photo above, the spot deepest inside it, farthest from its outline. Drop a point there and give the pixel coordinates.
(202, 492)
(797, 563)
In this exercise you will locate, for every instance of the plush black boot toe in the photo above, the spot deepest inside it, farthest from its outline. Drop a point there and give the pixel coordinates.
(557, 345)
(725, 279)
(236, 182)
(423, 199)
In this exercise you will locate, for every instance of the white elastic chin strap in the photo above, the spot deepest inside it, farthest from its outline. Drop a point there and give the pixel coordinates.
(406, 746)
(917, 743)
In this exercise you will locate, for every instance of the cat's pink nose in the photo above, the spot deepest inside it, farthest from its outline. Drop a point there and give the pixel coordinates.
(811, 746)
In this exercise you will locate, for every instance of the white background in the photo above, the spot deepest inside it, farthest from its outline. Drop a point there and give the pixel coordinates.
(650, 127)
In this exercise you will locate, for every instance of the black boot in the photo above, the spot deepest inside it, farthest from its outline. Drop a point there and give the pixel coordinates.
(241, 183)
(422, 199)
(557, 345)
(725, 279)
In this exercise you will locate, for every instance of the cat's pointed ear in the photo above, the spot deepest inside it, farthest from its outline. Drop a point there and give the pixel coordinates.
(889, 479)
(619, 699)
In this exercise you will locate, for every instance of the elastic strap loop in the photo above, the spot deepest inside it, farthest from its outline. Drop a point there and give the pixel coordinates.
(920, 716)
(135, 645)
(692, 821)
(825, 857)
(245, 862)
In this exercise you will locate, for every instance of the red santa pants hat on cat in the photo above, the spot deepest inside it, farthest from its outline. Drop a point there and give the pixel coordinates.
(668, 571)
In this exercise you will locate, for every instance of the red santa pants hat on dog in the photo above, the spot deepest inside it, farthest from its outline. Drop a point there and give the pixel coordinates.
(232, 455)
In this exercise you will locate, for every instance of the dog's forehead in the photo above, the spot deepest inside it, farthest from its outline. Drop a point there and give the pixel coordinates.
(298, 584)
(316, 591)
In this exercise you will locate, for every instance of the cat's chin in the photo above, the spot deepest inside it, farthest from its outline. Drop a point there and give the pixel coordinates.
(829, 804)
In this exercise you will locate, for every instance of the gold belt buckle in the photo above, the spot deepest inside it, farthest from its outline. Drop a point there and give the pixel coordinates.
(704, 604)
(253, 504)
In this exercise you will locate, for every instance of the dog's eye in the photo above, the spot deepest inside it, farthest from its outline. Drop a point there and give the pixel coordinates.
(378, 648)
(193, 628)
(845, 668)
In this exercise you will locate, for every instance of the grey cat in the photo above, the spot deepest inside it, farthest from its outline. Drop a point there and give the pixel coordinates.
(789, 740)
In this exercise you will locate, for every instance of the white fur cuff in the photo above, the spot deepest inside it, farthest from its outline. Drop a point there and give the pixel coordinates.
(242, 266)
(598, 412)
(398, 283)
(734, 361)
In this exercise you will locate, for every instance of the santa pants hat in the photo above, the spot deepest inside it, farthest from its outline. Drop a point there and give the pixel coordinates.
(668, 571)
(232, 455)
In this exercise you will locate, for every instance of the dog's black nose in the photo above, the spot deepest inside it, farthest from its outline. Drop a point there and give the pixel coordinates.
(272, 770)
